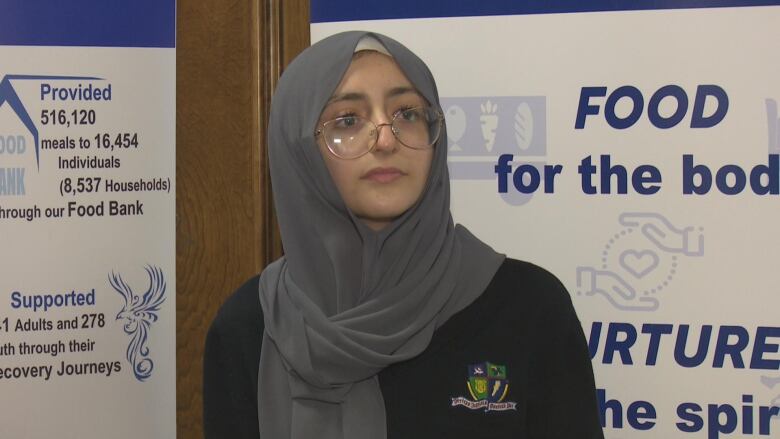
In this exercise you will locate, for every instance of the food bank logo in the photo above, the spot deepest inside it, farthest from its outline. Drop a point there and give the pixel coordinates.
(14, 144)
(480, 129)
(9, 95)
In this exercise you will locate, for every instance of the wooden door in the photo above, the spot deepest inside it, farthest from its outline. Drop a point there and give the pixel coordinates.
(229, 57)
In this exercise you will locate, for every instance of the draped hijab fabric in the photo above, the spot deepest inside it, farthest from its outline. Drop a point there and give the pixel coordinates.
(346, 301)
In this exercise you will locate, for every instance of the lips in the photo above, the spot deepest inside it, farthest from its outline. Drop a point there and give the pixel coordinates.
(383, 175)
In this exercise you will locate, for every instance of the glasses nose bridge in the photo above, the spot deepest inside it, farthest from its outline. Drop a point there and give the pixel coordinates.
(386, 124)
(377, 132)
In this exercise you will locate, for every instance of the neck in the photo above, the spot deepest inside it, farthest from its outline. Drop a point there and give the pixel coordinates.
(375, 224)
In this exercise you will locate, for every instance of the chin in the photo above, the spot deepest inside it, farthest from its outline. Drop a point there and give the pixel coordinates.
(382, 213)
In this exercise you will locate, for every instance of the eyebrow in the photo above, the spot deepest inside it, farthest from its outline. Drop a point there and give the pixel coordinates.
(393, 92)
(397, 91)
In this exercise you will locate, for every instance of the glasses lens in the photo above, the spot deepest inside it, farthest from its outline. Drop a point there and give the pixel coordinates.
(352, 136)
(417, 127)
(348, 136)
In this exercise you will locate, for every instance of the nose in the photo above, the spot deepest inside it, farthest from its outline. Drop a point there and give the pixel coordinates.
(385, 139)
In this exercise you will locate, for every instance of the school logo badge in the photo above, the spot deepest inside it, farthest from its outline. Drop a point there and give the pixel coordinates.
(488, 387)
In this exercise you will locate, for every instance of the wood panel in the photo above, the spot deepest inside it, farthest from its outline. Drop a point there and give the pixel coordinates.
(285, 35)
(229, 55)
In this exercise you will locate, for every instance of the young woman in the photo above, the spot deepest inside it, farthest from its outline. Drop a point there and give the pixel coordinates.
(383, 319)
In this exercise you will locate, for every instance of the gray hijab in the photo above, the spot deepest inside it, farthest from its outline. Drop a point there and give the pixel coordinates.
(346, 301)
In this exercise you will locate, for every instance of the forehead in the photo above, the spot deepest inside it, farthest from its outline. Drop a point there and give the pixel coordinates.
(370, 70)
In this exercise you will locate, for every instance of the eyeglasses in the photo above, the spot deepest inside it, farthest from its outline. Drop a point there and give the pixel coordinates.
(349, 137)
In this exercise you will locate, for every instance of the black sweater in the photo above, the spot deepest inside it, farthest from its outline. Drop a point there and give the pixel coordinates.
(520, 339)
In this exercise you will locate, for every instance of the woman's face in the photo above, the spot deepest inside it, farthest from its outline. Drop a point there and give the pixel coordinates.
(381, 185)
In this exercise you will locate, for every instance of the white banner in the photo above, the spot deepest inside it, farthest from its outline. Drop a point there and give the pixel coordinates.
(635, 155)
(87, 231)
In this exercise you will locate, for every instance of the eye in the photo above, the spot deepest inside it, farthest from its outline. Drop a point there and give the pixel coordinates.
(346, 121)
(408, 114)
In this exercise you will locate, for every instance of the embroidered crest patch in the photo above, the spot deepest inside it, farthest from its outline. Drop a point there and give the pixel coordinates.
(488, 386)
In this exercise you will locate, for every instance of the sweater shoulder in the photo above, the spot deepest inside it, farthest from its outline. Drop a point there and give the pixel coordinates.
(529, 283)
(230, 364)
(241, 314)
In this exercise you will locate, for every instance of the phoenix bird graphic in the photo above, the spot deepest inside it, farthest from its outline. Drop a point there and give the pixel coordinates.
(138, 314)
